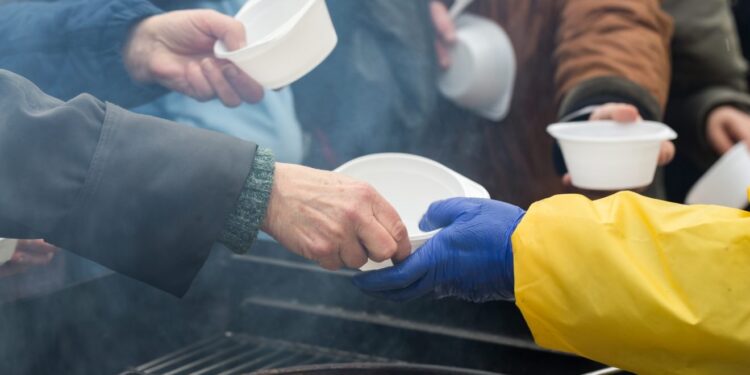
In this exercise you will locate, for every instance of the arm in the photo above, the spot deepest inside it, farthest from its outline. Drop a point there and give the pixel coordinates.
(124, 51)
(140, 195)
(709, 89)
(148, 198)
(613, 51)
(70, 47)
(645, 285)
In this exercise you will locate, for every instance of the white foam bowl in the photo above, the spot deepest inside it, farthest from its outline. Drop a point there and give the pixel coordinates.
(286, 39)
(726, 182)
(483, 68)
(7, 249)
(410, 183)
(606, 155)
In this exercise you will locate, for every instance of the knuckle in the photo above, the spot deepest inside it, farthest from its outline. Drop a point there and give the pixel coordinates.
(356, 261)
(320, 249)
(351, 213)
(364, 190)
(399, 232)
(382, 255)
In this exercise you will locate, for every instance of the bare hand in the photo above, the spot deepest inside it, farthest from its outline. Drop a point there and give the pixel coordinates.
(33, 252)
(625, 113)
(333, 219)
(445, 31)
(175, 50)
(726, 127)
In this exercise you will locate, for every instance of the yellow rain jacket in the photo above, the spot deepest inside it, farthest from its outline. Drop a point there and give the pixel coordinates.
(645, 285)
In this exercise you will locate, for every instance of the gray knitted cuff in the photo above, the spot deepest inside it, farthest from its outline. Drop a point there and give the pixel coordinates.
(245, 221)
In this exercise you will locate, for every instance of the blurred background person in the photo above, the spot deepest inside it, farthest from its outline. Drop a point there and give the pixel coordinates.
(571, 55)
(708, 102)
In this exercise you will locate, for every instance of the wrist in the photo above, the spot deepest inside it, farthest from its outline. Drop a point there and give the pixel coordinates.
(241, 228)
(136, 51)
(507, 269)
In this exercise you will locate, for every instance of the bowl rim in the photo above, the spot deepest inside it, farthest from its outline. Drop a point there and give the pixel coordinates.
(664, 133)
(404, 156)
(258, 47)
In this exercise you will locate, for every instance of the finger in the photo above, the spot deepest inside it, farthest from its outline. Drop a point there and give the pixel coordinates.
(247, 88)
(200, 88)
(218, 82)
(31, 258)
(397, 277)
(739, 130)
(666, 153)
(617, 112)
(443, 213)
(387, 216)
(353, 255)
(35, 246)
(226, 28)
(567, 180)
(441, 19)
(719, 137)
(379, 243)
(331, 263)
(443, 54)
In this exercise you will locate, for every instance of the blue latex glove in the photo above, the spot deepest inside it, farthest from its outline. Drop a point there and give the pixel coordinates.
(470, 258)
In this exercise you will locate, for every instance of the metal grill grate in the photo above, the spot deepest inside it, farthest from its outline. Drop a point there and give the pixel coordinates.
(234, 354)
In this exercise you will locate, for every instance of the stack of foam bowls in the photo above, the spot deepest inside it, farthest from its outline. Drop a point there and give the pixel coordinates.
(726, 182)
(410, 183)
(286, 39)
(7, 248)
(483, 68)
(606, 155)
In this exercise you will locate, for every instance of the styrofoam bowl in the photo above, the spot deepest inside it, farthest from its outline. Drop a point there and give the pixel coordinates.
(483, 68)
(7, 249)
(410, 183)
(726, 182)
(607, 155)
(285, 40)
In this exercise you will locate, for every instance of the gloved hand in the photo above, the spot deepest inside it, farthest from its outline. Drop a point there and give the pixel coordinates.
(470, 258)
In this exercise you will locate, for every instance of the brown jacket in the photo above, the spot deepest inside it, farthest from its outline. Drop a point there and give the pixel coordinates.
(570, 54)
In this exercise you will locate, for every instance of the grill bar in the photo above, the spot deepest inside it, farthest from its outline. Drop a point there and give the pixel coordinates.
(235, 354)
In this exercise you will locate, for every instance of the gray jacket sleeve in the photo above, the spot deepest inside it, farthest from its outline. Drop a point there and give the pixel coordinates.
(142, 196)
(708, 71)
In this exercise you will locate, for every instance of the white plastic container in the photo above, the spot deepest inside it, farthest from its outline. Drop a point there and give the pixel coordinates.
(7, 249)
(606, 155)
(410, 183)
(286, 39)
(726, 182)
(483, 68)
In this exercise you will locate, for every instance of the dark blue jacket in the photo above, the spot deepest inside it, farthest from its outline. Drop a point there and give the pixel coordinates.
(74, 46)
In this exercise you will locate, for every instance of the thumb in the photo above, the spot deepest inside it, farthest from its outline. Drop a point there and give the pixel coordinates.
(445, 212)
(227, 29)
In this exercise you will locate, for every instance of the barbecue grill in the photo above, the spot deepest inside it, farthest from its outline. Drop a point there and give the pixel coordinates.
(269, 312)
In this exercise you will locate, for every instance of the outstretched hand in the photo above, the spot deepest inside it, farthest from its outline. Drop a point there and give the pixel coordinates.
(471, 258)
(175, 50)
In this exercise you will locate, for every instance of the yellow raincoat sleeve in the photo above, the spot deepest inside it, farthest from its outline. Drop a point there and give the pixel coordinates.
(648, 286)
